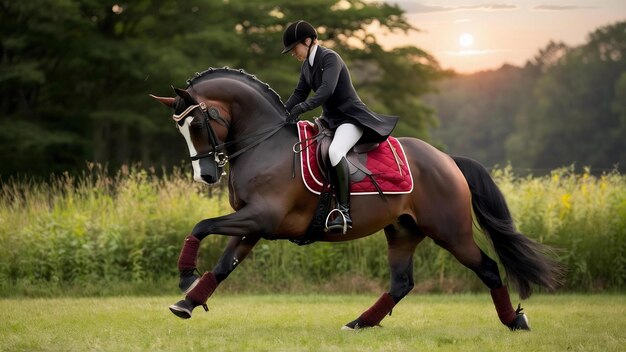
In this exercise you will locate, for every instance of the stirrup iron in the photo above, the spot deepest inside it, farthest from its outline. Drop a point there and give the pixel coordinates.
(343, 228)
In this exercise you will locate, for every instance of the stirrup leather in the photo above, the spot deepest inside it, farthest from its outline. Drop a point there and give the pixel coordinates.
(344, 228)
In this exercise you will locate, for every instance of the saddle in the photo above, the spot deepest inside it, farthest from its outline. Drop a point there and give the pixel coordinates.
(375, 168)
(357, 156)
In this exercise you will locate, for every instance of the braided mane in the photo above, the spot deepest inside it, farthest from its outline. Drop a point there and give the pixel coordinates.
(242, 76)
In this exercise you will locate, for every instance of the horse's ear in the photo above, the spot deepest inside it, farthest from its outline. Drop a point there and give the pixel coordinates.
(167, 101)
(185, 95)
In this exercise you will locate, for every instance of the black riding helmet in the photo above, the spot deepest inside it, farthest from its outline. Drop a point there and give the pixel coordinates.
(297, 32)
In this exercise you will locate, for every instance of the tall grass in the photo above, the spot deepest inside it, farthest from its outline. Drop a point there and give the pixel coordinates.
(96, 229)
(581, 215)
(101, 234)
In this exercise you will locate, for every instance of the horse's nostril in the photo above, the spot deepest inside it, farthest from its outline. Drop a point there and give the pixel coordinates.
(208, 178)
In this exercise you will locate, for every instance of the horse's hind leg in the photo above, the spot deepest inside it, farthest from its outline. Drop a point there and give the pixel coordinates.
(199, 290)
(469, 254)
(402, 238)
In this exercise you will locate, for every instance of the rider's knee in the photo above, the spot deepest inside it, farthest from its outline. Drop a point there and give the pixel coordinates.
(335, 155)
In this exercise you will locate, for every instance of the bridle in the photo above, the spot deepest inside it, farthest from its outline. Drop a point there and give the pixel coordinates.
(208, 113)
(218, 149)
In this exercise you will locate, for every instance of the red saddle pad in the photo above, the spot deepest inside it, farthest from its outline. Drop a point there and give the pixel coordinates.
(387, 163)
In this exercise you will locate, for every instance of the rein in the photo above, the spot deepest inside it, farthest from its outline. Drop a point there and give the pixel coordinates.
(218, 148)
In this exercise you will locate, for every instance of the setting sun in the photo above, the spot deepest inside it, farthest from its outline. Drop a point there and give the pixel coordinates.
(466, 40)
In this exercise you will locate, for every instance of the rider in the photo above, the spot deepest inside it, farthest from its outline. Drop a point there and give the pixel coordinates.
(324, 72)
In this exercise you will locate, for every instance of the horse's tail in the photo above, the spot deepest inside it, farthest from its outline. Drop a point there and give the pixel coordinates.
(524, 260)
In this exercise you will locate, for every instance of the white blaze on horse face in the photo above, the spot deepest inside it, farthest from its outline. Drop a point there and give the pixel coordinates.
(184, 130)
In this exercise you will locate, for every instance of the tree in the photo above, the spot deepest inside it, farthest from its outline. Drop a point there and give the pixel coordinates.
(565, 106)
(477, 112)
(572, 118)
(75, 74)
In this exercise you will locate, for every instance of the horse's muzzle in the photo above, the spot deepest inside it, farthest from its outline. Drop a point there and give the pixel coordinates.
(209, 179)
(209, 171)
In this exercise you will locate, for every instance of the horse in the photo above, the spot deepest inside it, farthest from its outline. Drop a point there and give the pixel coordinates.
(228, 116)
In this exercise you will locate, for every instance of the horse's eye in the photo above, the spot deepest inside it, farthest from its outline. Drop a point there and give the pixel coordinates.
(193, 124)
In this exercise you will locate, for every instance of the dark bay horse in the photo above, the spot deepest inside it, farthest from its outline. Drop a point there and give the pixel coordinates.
(229, 116)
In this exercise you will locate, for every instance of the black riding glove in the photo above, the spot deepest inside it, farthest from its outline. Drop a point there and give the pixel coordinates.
(296, 111)
(291, 119)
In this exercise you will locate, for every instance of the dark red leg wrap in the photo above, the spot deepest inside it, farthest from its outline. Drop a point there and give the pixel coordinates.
(204, 288)
(377, 312)
(189, 253)
(500, 297)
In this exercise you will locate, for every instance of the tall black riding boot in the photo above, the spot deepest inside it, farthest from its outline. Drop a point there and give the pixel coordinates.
(341, 221)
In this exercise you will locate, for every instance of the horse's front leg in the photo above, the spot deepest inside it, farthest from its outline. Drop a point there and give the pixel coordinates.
(236, 251)
(198, 290)
(202, 288)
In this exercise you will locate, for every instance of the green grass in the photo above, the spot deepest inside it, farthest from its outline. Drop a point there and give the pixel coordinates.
(309, 323)
(98, 232)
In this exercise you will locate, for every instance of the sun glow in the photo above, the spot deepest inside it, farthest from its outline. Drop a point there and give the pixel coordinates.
(466, 40)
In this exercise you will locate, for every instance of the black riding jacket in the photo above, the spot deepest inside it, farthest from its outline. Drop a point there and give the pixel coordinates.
(330, 79)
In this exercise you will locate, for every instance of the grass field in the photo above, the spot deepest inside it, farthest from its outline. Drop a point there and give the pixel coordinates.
(310, 323)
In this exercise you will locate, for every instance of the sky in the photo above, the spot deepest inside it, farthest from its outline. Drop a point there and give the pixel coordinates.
(470, 36)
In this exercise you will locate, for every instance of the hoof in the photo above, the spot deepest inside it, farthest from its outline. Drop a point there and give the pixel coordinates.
(182, 309)
(520, 323)
(355, 325)
(187, 283)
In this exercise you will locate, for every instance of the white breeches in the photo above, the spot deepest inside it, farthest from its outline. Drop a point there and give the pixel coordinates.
(346, 136)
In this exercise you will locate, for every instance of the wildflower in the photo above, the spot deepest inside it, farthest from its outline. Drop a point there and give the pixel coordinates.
(566, 201)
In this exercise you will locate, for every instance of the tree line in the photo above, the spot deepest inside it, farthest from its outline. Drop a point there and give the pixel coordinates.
(75, 77)
(566, 106)
(75, 74)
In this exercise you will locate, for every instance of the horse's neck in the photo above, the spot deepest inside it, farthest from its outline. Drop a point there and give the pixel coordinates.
(275, 153)
(254, 112)
(251, 118)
